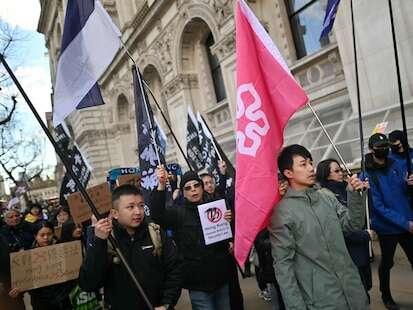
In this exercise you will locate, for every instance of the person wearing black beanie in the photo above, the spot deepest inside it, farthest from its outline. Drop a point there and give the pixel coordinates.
(206, 267)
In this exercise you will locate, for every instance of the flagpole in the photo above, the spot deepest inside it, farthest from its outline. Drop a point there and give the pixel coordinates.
(399, 84)
(167, 123)
(363, 166)
(79, 185)
(137, 74)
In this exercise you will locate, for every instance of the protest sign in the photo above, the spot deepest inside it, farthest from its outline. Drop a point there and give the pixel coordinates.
(45, 266)
(132, 179)
(380, 127)
(101, 197)
(214, 226)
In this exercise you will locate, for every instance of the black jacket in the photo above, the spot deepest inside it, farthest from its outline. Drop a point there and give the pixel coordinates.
(160, 277)
(18, 237)
(206, 268)
(357, 242)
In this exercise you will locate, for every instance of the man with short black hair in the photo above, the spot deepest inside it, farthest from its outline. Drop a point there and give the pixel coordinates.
(150, 253)
(391, 215)
(311, 261)
(399, 145)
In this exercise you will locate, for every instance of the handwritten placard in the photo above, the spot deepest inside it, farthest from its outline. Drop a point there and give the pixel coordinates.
(132, 179)
(214, 225)
(45, 266)
(101, 197)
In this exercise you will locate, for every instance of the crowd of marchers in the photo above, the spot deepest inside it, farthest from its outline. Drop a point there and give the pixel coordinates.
(315, 253)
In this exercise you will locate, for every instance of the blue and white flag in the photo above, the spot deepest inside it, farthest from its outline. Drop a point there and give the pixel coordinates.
(90, 42)
(331, 12)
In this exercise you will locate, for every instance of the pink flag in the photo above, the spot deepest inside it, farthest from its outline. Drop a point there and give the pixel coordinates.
(267, 96)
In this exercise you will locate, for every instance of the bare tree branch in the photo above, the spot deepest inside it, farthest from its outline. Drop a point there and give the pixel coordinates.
(10, 114)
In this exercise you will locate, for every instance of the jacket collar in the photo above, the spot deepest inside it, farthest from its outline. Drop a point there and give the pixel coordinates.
(121, 232)
(372, 165)
(308, 193)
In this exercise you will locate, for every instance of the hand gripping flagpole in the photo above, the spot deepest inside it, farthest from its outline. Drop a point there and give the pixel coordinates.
(79, 185)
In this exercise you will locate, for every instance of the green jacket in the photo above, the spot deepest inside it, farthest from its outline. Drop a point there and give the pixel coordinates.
(311, 261)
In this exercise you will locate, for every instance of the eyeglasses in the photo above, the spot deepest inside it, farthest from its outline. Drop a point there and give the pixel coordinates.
(189, 187)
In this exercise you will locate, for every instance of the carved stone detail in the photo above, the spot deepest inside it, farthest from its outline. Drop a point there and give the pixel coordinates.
(180, 82)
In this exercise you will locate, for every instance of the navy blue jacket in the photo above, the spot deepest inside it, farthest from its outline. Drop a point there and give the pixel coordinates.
(357, 242)
(390, 210)
(401, 158)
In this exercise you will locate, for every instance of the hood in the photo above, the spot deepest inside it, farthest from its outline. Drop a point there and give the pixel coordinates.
(372, 165)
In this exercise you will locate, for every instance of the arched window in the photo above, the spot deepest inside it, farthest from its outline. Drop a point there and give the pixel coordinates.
(216, 72)
(123, 106)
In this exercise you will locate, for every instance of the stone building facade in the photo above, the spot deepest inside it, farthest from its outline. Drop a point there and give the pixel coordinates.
(186, 52)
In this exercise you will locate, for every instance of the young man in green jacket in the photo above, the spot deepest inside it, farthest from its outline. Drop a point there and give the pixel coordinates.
(311, 261)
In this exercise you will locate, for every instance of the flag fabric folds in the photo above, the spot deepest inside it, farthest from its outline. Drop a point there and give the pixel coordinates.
(193, 148)
(147, 132)
(267, 96)
(209, 154)
(75, 159)
(90, 42)
(331, 12)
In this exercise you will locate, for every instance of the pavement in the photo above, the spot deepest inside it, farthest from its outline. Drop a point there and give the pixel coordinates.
(401, 285)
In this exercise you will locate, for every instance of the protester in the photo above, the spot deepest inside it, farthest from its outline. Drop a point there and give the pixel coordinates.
(214, 192)
(398, 144)
(52, 297)
(206, 267)
(311, 262)
(18, 233)
(6, 302)
(391, 214)
(150, 253)
(69, 230)
(35, 215)
(330, 176)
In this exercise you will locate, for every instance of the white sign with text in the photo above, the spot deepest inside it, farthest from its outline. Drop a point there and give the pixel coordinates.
(214, 226)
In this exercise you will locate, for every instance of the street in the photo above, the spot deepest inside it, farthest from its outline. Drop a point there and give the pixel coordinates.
(401, 283)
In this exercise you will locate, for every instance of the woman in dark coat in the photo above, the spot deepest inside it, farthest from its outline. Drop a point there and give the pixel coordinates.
(330, 177)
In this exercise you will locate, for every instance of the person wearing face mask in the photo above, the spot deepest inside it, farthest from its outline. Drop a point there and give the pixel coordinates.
(399, 145)
(391, 215)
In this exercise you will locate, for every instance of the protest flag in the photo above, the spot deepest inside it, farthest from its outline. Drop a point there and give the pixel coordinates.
(267, 96)
(75, 159)
(331, 11)
(90, 41)
(150, 155)
(193, 147)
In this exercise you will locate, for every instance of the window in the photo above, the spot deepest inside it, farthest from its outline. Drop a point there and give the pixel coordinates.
(122, 109)
(306, 19)
(216, 72)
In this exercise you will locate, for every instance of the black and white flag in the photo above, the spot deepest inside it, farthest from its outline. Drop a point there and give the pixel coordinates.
(75, 159)
(193, 147)
(209, 155)
(147, 132)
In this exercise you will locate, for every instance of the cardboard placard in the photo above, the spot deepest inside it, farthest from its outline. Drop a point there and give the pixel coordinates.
(45, 266)
(214, 225)
(101, 197)
(132, 179)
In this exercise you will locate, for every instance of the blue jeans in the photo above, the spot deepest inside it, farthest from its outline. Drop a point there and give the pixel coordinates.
(216, 300)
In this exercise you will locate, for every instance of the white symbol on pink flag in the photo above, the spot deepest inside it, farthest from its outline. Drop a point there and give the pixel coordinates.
(253, 131)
